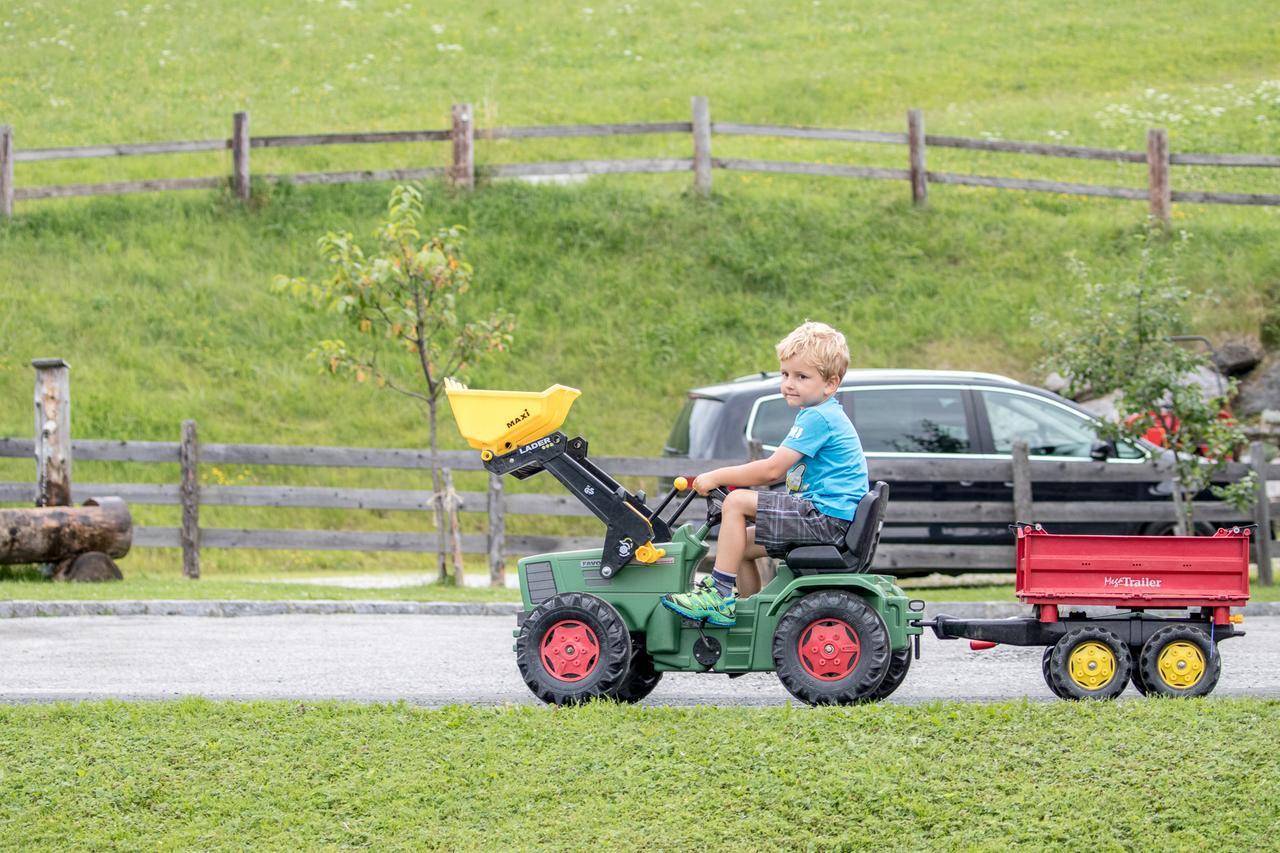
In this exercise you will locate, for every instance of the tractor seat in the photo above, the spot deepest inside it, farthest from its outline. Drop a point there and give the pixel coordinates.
(859, 546)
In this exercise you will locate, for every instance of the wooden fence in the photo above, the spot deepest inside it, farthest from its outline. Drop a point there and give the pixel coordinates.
(463, 169)
(191, 496)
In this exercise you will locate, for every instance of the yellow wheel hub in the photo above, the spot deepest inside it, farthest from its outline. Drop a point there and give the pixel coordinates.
(1092, 665)
(1181, 665)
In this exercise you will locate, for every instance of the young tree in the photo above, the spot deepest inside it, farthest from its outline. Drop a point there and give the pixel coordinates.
(1118, 338)
(401, 300)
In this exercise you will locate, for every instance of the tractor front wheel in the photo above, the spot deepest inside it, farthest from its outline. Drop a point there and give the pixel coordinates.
(574, 647)
(1180, 660)
(1090, 663)
(831, 648)
(641, 676)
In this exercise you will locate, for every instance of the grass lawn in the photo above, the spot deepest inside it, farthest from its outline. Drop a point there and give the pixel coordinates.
(1149, 774)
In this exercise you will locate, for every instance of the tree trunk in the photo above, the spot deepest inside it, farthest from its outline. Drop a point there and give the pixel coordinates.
(1182, 509)
(455, 532)
(442, 574)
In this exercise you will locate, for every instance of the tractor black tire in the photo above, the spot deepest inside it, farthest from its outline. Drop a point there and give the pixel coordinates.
(1044, 670)
(846, 620)
(899, 666)
(641, 676)
(1084, 641)
(1197, 650)
(591, 661)
(1135, 678)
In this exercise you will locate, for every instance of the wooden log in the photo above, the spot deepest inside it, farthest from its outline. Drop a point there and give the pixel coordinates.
(1077, 152)
(364, 176)
(497, 532)
(566, 130)
(1161, 203)
(817, 133)
(829, 170)
(464, 165)
(1262, 510)
(1262, 199)
(53, 533)
(6, 170)
(1022, 504)
(53, 432)
(132, 149)
(306, 140)
(119, 188)
(1262, 160)
(1035, 185)
(452, 507)
(240, 154)
(915, 146)
(190, 461)
(589, 167)
(701, 145)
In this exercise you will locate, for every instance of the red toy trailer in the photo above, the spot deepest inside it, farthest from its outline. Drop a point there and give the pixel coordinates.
(1094, 657)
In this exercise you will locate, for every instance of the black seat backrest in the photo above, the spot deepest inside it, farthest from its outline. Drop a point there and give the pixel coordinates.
(868, 521)
(859, 547)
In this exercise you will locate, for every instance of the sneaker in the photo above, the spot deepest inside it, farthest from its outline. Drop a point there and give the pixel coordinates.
(704, 602)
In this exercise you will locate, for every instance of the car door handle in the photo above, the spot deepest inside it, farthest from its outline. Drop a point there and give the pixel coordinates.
(966, 483)
(1008, 484)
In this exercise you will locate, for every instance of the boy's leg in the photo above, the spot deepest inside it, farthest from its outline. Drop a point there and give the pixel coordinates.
(714, 602)
(750, 579)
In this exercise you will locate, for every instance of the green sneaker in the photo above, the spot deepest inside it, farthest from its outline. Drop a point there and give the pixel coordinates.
(704, 602)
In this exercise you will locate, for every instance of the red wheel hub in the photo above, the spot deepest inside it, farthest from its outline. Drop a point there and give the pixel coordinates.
(828, 649)
(570, 650)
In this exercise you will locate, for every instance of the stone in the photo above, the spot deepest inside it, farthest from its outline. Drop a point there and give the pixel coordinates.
(1260, 390)
(1237, 356)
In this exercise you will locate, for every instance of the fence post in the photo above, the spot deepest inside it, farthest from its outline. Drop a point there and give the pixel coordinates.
(915, 146)
(53, 432)
(497, 533)
(463, 135)
(240, 154)
(1158, 174)
(6, 170)
(1262, 513)
(701, 145)
(189, 457)
(1022, 506)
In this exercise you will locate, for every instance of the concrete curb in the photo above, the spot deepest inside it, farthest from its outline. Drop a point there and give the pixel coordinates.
(30, 609)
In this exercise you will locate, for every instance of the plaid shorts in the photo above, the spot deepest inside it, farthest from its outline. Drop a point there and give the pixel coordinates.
(784, 521)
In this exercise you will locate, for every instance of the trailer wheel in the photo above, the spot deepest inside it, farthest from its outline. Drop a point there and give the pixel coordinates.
(899, 665)
(641, 676)
(1090, 663)
(1044, 670)
(1180, 660)
(1135, 677)
(831, 648)
(573, 647)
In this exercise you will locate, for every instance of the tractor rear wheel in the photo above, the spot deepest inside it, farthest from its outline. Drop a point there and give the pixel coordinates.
(574, 647)
(831, 648)
(641, 676)
(1090, 663)
(1180, 660)
(899, 665)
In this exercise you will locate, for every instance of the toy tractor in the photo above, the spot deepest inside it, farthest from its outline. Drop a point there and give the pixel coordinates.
(593, 626)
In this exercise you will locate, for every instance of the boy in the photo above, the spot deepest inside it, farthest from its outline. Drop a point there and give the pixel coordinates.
(825, 470)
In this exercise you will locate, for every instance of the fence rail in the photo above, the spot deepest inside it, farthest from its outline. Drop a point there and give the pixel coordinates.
(189, 454)
(463, 170)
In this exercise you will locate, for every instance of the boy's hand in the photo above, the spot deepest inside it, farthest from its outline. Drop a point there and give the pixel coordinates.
(703, 484)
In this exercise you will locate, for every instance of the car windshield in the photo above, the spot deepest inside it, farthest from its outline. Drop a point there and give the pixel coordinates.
(694, 434)
(1047, 428)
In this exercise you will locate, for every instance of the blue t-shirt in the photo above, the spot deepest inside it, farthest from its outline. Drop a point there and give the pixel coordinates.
(833, 473)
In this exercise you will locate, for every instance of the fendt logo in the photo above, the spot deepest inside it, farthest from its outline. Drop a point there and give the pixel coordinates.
(517, 420)
(1132, 582)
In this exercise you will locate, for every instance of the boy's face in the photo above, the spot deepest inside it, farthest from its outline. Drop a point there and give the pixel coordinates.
(803, 385)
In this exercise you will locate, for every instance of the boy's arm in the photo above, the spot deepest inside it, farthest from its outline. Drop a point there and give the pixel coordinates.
(761, 472)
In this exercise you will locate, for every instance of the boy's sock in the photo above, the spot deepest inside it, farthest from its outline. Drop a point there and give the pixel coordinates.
(724, 582)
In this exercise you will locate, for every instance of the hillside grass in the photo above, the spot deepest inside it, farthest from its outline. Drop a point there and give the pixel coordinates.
(626, 287)
(214, 775)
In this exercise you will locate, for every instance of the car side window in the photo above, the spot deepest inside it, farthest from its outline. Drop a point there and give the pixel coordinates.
(772, 420)
(911, 420)
(1048, 429)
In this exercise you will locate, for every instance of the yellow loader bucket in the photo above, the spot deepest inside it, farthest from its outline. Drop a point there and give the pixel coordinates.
(496, 422)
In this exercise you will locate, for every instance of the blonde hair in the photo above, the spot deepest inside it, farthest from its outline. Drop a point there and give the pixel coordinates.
(818, 344)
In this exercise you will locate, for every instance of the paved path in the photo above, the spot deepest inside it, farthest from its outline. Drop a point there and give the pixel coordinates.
(436, 660)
